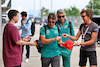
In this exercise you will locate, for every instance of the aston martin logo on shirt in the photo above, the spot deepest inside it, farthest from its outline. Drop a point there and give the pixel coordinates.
(55, 31)
(48, 32)
(66, 26)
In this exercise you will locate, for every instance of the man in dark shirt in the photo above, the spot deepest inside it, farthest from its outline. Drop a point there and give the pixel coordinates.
(89, 31)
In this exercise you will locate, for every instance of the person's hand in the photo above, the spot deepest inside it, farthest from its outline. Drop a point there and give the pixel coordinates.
(60, 43)
(35, 43)
(27, 38)
(57, 38)
(23, 22)
(32, 44)
(65, 35)
(75, 43)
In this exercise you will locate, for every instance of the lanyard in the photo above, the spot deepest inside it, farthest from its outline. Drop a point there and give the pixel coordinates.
(85, 32)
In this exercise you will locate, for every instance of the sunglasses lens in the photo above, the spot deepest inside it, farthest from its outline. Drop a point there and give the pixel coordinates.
(51, 22)
(83, 16)
(61, 16)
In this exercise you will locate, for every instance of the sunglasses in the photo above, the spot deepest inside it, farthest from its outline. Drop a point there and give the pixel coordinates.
(83, 16)
(61, 16)
(50, 22)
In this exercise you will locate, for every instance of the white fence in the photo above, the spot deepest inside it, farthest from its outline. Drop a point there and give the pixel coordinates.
(76, 20)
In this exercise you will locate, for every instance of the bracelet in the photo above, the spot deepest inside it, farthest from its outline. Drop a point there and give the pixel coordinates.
(53, 39)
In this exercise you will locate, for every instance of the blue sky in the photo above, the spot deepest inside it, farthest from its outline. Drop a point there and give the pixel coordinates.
(28, 5)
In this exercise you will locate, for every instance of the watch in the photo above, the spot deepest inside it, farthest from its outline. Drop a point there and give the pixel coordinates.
(78, 44)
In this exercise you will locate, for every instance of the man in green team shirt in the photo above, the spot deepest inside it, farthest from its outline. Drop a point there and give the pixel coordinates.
(50, 38)
(64, 27)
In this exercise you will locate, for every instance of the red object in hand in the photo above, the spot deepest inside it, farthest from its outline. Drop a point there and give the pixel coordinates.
(68, 44)
(63, 45)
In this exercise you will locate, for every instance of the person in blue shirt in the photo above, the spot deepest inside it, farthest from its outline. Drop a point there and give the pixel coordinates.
(63, 24)
(26, 31)
(49, 39)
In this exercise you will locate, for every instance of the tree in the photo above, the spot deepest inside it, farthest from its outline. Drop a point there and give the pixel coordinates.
(44, 11)
(73, 11)
(96, 6)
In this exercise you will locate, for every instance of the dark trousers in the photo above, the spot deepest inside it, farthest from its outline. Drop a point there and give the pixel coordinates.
(53, 60)
(27, 50)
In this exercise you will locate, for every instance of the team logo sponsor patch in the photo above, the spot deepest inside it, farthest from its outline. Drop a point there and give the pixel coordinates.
(95, 29)
(55, 31)
(47, 32)
(66, 26)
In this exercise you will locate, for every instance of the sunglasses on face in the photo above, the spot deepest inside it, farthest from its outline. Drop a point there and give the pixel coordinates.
(83, 16)
(61, 16)
(50, 22)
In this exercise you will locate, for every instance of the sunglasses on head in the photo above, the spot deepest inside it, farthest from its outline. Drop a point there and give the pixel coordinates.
(61, 16)
(50, 22)
(83, 16)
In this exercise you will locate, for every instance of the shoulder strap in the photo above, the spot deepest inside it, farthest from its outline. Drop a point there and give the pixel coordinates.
(45, 28)
(58, 30)
(21, 21)
(27, 21)
(70, 27)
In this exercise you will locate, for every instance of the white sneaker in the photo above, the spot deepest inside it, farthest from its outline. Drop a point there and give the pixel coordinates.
(26, 60)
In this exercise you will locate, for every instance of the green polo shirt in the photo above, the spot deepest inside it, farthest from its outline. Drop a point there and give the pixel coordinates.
(65, 29)
(51, 49)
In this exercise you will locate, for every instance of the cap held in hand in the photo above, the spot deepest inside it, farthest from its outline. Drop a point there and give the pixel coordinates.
(68, 44)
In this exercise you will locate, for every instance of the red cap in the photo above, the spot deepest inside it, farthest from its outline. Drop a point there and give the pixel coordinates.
(69, 44)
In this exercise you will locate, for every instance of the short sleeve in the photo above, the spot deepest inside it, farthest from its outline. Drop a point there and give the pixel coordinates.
(95, 28)
(42, 31)
(81, 26)
(15, 36)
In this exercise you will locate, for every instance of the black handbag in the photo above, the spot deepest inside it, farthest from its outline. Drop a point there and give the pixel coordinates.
(39, 46)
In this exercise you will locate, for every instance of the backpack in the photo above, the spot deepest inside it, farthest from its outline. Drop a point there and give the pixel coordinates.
(32, 27)
(39, 41)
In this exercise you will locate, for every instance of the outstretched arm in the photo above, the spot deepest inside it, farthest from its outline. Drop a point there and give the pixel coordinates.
(72, 37)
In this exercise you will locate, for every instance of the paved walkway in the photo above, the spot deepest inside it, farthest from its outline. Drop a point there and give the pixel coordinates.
(35, 56)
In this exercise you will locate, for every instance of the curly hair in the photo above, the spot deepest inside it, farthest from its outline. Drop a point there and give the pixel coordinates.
(88, 12)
